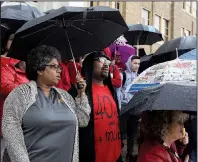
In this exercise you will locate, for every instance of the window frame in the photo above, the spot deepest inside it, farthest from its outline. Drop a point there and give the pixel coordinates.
(157, 16)
(165, 29)
(148, 19)
(184, 32)
(117, 5)
(91, 3)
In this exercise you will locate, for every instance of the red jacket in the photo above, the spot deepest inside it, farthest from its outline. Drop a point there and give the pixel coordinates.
(72, 71)
(116, 78)
(153, 151)
(65, 82)
(120, 65)
(11, 77)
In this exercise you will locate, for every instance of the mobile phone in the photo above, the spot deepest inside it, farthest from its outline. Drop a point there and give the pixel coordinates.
(80, 86)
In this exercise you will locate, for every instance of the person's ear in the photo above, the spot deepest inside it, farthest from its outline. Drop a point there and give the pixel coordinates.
(40, 72)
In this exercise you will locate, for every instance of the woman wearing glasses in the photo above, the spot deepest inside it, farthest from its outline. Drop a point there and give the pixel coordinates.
(40, 122)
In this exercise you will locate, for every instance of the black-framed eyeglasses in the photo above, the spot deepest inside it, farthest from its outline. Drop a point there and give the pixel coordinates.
(56, 67)
(103, 60)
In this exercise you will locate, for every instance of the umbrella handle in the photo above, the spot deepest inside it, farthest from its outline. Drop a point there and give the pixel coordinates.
(79, 86)
(137, 49)
(177, 55)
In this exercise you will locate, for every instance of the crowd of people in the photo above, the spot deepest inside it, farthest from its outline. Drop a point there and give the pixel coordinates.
(45, 113)
(68, 111)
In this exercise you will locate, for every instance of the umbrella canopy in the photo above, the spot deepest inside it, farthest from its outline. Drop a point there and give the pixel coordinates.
(120, 41)
(49, 11)
(81, 29)
(11, 21)
(175, 70)
(23, 6)
(145, 62)
(125, 51)
(182, 43)
(14, 19)
(139, 34)
(191, 55)
(170, 96)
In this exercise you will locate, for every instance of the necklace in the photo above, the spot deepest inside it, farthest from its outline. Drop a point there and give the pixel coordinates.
(175, 154)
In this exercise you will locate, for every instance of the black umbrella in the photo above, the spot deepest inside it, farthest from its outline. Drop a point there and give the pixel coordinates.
(145, 62)
(23, 6)
(168, 51)
(140, 34)
(12, 20)
(169, 96)
(81, 29)
(182, 43)
(49, 11)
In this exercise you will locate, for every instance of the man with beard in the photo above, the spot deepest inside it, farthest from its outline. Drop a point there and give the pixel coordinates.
(100, 141)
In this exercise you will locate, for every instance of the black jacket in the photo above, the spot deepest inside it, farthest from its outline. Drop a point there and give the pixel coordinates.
(86, 135)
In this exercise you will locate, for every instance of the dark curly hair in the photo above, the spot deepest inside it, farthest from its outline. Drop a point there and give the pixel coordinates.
(156, 124)
(38, 58)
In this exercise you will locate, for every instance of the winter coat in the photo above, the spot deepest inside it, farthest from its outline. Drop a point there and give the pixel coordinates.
(16, 105)
(64, 82)
(11, 77)
(152, 150)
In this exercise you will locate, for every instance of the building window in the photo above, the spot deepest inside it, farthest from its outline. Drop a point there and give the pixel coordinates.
(157, 24)
(91, 3)
(190, 7)
(165, 26)
(194, 8)
(185, 32)
(145, 16)
(117, 5)
(107, 3)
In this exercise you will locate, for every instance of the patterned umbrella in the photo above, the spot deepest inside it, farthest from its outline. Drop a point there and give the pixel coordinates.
(175, 70)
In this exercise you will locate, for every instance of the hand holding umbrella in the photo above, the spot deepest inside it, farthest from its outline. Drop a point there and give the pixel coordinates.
(81, 86)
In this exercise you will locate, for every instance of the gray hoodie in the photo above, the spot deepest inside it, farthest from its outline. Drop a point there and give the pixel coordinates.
(130, 76)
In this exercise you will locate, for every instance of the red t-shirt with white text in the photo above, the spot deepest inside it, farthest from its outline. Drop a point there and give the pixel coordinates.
(107, 136)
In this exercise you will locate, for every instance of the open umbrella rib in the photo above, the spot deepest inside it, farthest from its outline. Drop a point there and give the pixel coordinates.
(92, 20)
(4, 26)
(38, 31)
(87, 32)
(46, 37)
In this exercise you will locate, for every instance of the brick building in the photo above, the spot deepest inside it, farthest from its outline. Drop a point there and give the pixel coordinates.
(172, 19)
